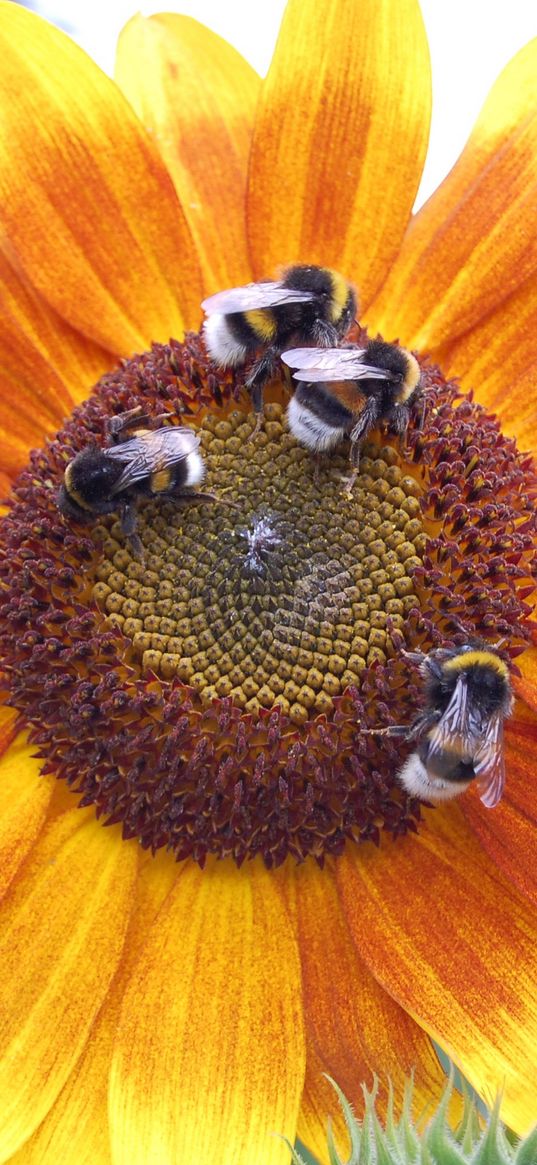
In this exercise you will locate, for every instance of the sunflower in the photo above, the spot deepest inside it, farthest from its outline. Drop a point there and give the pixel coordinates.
(318, 919)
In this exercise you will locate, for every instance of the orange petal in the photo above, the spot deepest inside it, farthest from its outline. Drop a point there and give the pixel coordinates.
(209, 1058)
(8, 727)
(197, 97)
(498, 358)
(354, 1029)
(25, 798)
(474, 242)
(525, 685)
(340, 138)
(75, 1131)
(85, 200)
(46, 367)
(62, 929)
(453, 943)
(508, 834)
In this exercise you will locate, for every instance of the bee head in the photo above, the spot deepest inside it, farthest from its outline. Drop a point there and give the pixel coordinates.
(405, 372)
(87, 483)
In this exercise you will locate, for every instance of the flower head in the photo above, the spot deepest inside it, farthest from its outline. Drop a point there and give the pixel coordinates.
(212, 695)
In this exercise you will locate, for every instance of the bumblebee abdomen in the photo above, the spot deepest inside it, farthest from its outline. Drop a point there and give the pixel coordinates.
(317, 418)
(161, 481)
(228, 339)
(448, 764)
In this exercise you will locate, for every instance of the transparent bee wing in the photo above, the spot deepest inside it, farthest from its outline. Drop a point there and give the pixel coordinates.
(360, 372)
(314, 364)
(489, 763)
(252, 297)
(321, 357)
(454, 723)
(158, 449)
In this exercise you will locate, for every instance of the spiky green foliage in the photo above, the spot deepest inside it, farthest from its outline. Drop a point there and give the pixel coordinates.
(399, 1142)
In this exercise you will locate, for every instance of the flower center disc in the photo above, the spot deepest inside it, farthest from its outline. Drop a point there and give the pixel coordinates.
(212, 696)
(278, 594)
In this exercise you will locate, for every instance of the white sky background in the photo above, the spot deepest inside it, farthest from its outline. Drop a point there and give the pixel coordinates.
(470, 42)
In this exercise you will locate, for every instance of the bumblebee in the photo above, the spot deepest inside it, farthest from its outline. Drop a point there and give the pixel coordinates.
(460, 730)
(308, 305)
(136, 461)
(372, 384)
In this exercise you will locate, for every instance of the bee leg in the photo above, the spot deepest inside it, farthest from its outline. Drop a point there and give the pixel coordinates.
(420, 725)
(398, 420)
(128, 526)
(413, 656)
(356, 449)
(324, 334)
(115, 425)
(393, 730)
(366, 421)
(259, 374)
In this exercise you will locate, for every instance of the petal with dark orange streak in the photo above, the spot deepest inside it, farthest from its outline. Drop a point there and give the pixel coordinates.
(75, 1131)
(209, 1059)
(47, 367)
(8, 727)
(508, 834)
(197, 96)
(340, 138)
(354, 1029)
(25, 798)
(498, 359)
(474, 243)
(525, 685)
(453, 943)
(62, 928)
(85, 200)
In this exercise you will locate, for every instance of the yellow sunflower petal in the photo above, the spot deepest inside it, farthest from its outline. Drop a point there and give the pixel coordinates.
(354, 1029)
(197, 97)
(75, 1131)
(508, 834)
(340, 138)
(85, 200)
(25, 798)
(498, 359)
(453, 943)
(210, 1059)
(46, 367)
(474, 243)
(62, 928)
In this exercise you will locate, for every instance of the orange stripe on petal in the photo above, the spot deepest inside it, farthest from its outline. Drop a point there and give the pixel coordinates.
(525, 685)
(498, 358)
(340, 138)
(8, 727)
(62, 929)
(25, 799)
(210, 1058)
(197, 97)
(46, 367)
(453, 943)
(75, 1131)
(509, 833)
(85, 201)
(474, 242)
(354, 1029)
